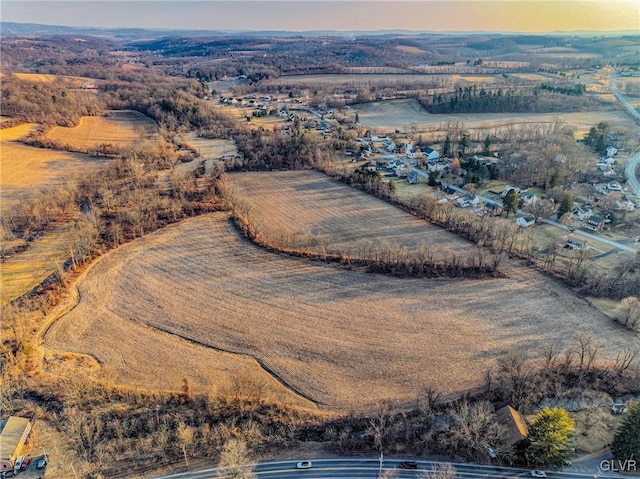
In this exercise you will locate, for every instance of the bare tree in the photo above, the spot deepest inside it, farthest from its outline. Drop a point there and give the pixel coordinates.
(630, 309)
(186, 436)
(625, 359)
(235, 459)
(378, 428)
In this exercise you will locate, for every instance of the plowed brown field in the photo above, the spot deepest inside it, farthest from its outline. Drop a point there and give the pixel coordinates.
(310, 203)
(344, 338)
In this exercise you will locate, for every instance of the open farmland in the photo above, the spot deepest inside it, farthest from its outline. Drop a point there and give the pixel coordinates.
(343, 219)
(343, 338)
(26, 168)
(72, 81)
(120, 128)
(211, 148)
(24, 271)
(392, 114)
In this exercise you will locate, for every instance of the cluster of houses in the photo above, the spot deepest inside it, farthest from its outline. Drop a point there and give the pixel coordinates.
(469, 200)
(605, 163)
(249, 101)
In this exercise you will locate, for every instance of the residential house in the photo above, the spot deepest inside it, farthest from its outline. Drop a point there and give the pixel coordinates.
(525, 221)
(430, 154)
(614, 186)
(574, 243)
(468, 200)
(508, 188)
(369, 165)
(619, 407)
(412, 178)
(493, 209)
(449, 190)
(611, 151)
(516, 428)
(594, 223)
(583, 213)
(527, 198)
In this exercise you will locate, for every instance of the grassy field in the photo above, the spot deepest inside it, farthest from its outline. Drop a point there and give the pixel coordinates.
(26, 168)
(120, 128)
(309, 204)
(162, 307)
(392, 114)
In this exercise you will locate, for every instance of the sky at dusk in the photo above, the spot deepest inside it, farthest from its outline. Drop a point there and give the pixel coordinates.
(304, 15)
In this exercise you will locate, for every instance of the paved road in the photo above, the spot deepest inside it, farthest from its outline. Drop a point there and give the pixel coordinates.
(590, 236)
(368, 468)
(631, 166)
(612, 87)
(630, 173)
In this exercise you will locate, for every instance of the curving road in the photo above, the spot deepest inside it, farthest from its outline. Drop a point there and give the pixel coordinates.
(632, 164)
(369, 468)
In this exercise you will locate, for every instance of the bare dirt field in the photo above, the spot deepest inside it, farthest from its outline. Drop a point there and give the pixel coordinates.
(308, 203)
(26, 168)
(392, 114)
(120, 128)
(345, 338)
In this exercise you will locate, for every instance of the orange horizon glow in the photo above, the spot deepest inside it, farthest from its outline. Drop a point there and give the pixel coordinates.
(509, 16)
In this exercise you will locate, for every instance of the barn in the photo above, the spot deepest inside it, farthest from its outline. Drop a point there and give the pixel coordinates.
(14, 432)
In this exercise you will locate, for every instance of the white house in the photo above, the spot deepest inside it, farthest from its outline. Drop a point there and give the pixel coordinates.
(528, 198)
(430, 154)
(611, 151)
(525, 222)
(614, 186)
(584, 213)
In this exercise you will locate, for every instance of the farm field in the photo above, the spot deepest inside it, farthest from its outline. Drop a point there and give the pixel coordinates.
(391, 114)
(23, 271)
(211, 149)
(26, 168)
(360, 78)
(161, 308)
(310, 204)
(48, 78)
(120, 128)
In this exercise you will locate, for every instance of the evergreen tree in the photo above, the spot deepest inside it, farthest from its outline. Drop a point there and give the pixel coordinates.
(566, 204)
(487, 145)
(446, 149)
(552, 437)
(510, 202)
(463, 144)
(626, 441)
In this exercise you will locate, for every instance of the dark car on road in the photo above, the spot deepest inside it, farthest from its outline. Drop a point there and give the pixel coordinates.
(408, 465)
